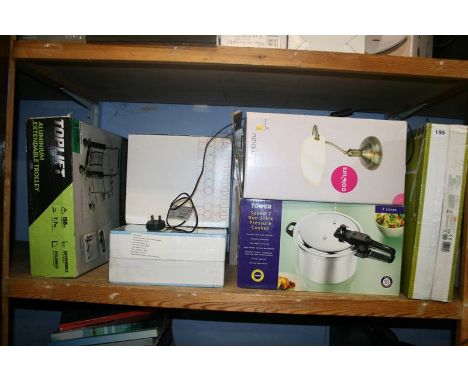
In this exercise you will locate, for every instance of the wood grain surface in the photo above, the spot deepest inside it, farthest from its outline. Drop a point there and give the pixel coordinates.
(245, 57)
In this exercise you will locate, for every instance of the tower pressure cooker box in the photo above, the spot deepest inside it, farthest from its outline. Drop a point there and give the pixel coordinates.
(76, 186)
(316, 158)
(323, 247)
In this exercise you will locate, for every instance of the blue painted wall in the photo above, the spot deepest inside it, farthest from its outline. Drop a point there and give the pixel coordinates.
(125, 118)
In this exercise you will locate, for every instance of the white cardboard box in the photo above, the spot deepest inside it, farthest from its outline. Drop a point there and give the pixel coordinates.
(254, 41)
(409, 46)
(285, 161)
(167, 257)
(160, 167)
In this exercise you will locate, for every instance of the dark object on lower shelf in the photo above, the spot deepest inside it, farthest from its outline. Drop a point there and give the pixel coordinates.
(450, 47)
(363, 335)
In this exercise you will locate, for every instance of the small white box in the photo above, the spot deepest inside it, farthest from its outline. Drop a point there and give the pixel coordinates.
(167, 257)
(304, 157)
(254, 41)
(160, 167)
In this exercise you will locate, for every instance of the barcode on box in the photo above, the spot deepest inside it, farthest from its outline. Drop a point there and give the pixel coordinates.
(446, 246)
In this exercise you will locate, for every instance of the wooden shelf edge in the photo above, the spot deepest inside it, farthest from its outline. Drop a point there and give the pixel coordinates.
(248, 58)
(228, 299)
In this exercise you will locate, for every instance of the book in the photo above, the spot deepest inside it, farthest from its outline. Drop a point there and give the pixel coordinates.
(452, 212)
(112, 317)
(99, 330)
(109, 338)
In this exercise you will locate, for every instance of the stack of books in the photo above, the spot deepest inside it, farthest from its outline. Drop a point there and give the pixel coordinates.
(132, 328)
(434, 197)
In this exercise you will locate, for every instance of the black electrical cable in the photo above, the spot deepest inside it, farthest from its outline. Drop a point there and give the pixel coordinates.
(184, 197)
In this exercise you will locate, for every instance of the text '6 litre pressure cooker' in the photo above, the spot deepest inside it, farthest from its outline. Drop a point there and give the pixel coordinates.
(327, 246)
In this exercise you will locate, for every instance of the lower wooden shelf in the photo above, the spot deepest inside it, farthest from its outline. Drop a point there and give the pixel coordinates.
(93, 287)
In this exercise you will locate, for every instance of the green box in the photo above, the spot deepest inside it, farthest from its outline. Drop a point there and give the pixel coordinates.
(434, 192)
(75, 189)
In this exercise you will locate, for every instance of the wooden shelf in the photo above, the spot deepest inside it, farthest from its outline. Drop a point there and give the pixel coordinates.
(94, 287)
(241, 77)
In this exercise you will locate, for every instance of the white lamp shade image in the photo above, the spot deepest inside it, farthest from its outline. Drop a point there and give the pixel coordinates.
(313, 160)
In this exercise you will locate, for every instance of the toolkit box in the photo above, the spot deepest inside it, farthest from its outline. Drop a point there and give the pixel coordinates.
(76, 186)
(168, 257)
(323, 247)
(330, 159)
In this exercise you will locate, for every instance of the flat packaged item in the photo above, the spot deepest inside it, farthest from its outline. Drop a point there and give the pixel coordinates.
(75, 188)
(322, 247)
(254, 41)
(160, 167)
(435, 182)
(392, 45)
(167, 257)
(330, 159)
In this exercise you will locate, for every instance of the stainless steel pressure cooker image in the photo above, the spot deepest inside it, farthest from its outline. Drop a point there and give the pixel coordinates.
(328, 244)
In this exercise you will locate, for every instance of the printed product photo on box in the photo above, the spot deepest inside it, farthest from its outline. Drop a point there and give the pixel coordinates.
(161, 167)
(322, 247)
(316, 158)
(74, 193)
(435, 182)
(168, 257)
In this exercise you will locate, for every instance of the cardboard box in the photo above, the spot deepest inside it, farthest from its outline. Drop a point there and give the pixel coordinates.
(434, 182)
(75, 191)
(408, 46)
(304, 157)
(452, 213)
(254, 41)
(335, 43)
(296, 245)
(167, 257)
(160, 167)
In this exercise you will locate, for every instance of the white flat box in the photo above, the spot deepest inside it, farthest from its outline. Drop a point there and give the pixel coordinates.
(408, 46)
(160, 167)
(254, 41)
(167, 257)
(284, 160)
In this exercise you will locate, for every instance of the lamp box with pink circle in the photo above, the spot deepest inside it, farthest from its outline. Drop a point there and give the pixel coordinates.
(329, 159)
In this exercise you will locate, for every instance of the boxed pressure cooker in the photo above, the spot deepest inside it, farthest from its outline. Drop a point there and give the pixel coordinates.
(76, 186)
(167, 257)
(323, 247)
(316, 158)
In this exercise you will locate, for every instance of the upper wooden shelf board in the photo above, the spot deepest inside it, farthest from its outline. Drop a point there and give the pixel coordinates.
(242, 77)
(94, 287)
(243, 57)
